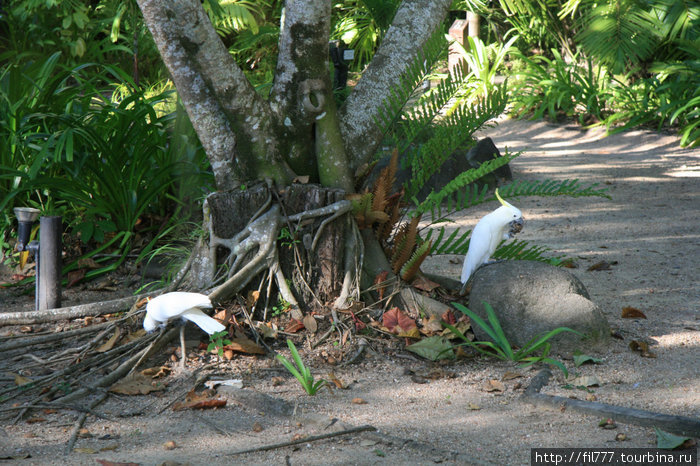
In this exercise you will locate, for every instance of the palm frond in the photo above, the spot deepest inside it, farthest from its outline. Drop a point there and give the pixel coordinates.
(619, 33)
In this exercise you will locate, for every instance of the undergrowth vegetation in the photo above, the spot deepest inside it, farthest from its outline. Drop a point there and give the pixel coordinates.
(109, 148)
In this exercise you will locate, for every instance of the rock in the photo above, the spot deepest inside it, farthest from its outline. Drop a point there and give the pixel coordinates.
(485, 150)
(531, 298)
(455, 164)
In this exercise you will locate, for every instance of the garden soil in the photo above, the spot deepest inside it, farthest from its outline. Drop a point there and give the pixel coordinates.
(647, 238)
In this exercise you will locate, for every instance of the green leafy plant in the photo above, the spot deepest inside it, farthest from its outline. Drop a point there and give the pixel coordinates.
(287, 238)
(501, 348)
(217, 341)
(484, 61)
(300, 371)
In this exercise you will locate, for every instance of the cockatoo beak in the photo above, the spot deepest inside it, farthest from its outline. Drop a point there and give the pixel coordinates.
(516, 226)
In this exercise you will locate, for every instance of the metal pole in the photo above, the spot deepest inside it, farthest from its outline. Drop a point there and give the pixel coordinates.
(49, 273)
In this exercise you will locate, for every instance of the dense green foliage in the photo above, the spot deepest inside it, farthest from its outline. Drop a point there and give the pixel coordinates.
(90, 127)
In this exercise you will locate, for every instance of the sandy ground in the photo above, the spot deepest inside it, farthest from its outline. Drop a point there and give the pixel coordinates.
(429, 413)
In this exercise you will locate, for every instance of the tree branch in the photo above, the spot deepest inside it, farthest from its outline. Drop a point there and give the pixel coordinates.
(413, 25)
(227, 113)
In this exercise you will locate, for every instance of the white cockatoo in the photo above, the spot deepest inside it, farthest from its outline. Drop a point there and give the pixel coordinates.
(180, 305)
(502, 223)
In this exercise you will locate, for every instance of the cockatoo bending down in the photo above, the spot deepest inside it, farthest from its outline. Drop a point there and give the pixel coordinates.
(502, 223)
(183, 305)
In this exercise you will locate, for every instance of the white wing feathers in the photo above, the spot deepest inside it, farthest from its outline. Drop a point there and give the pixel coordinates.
(168, 306)
(206, 323)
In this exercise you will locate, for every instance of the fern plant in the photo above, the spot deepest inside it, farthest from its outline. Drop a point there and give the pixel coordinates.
(427, 131)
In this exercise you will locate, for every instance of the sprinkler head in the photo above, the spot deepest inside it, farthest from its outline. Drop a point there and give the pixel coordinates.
(25, 216)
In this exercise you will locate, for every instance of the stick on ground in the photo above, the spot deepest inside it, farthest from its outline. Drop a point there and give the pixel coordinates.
(312, 438)
(680, 425)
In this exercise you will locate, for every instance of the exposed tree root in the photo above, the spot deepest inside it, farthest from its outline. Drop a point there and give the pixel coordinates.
(680, 425)
(70, 312)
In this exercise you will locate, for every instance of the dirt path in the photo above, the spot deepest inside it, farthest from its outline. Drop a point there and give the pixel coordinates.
(649, 231)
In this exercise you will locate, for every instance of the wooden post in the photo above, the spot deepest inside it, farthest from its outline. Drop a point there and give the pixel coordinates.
(458, 33)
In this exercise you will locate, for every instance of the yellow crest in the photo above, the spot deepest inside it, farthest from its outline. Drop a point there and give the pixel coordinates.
(498, 196)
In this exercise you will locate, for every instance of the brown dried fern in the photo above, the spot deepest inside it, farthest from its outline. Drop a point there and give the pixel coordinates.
(385, 183)
(394, 211)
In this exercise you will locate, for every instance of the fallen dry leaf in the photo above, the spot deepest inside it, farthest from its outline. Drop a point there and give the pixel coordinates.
(395, 321)
(35, 419)
(336, 381)
(201, 400)
(244, 345)
(310, 323)
(257, 427)
(473, 406)
(170, 445)
(432, 325)
(89, 451)
(358, 401)
(424, 284)
(157, 372)
(449, 317)
(115, 463)
(109, 344)
(88, 263)
(511, 375)
(494, 385)
(20, 379)
(602, 265)
(586, 381)
(378, 280)
(110, 447)
(642, 347)
(620, 437)
(136, 384)
(252, 298)
(293, 326)
(632, 313)
(74, 276)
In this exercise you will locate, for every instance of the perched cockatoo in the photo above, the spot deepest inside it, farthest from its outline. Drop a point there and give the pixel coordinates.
(502, 223)
(182, 305)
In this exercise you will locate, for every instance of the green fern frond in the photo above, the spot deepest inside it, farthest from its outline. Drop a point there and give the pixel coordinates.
(416, 73)
(524, 251)
(448, 135)
(433, 203)
(572, 188)
(457, 242)
(415, 121)
(411, 267)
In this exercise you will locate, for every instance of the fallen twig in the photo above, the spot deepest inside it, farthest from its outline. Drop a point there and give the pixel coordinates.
(312, 438)
(79, 424)
(680, 425)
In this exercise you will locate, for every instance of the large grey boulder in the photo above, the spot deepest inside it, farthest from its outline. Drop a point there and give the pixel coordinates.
(531, 298)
